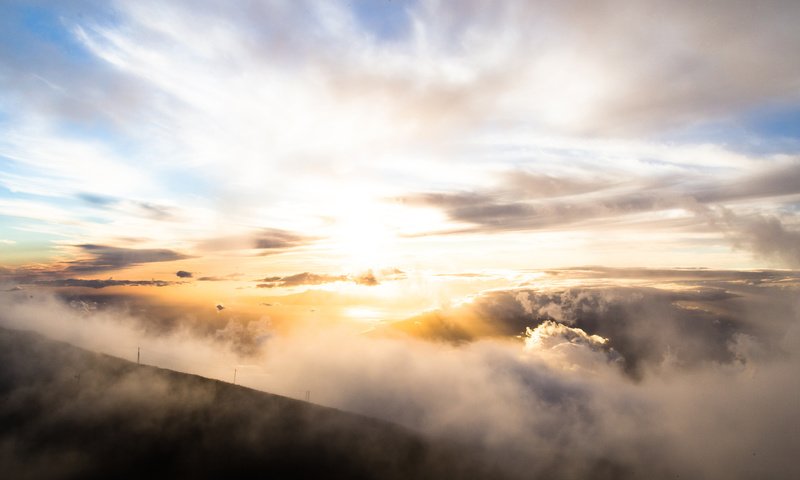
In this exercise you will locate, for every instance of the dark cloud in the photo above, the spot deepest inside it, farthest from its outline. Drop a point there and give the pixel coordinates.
(510, 207)
(530, 201)
(693, 276)
(183, 274)
(496, 211)
(273, 238)
(97, 200)
(25, 274)
(100, 258)
(214, 278)
(304, 278)
(515, 205)
(268, 239)
(774, 182)
(766, 236)
(77, 282)
(149, 210)
(530, 184)
(691, 325)
(155, 211)
(367, 278)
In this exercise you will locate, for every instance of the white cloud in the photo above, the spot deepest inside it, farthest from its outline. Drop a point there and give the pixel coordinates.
(531, 415)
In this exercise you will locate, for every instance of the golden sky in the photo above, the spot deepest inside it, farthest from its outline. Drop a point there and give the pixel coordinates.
(380, 148)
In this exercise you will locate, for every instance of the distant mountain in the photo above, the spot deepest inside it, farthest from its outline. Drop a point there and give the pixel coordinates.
(70, 413)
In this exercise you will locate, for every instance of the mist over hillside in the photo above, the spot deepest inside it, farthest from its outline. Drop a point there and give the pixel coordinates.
(69, 413)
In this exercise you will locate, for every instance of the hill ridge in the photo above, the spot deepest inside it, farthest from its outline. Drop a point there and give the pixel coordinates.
(66, 412)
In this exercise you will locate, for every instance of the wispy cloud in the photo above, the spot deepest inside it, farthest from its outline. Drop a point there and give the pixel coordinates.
(267, 239)
(77, 282)
(102, 258)
(518, 205)
(202, 124)
(367, 278)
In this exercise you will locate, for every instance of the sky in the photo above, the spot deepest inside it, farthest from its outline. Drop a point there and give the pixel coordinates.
(338, 137)
(576, 199)
(372, 149)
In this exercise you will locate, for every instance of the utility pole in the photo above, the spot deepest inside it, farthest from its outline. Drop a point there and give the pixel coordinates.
(77, 384)
(138, 355)
(234, 376)
(308, 395)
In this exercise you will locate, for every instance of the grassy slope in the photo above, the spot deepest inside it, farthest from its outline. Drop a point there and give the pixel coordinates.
(121, 420)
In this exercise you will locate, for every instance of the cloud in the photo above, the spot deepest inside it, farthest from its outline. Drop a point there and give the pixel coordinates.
(267, 239)
(693, 276)
(445, 67)
(117, 89)
(783, 180)
(274, 238)
(224, 278)
(156, 212)
(553, 404)
(588, 68)
(91, 259)
(101, 258)
(515, 204)
(511, 208)
(304, 278)
(97, 200)
(532, 184)
(691, 326)
(367, 278)
(518, 202)
(766, 236)
(183, 274)
(572, 347)
(77, 282)
(73, 409)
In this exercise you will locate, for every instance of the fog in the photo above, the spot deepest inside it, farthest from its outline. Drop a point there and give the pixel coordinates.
(696, 378)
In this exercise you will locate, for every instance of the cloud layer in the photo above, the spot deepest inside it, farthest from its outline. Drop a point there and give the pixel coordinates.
(604, 379)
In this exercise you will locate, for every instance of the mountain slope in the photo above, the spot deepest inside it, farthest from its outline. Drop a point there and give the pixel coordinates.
(69, 413)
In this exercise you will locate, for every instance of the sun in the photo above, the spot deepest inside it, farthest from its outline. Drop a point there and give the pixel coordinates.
(362, 240)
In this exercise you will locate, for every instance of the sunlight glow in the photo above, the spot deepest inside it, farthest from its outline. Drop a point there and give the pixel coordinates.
(364, 314)
(361, 235)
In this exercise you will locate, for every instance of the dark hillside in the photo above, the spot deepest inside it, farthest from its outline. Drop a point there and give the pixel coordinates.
(69, 413)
